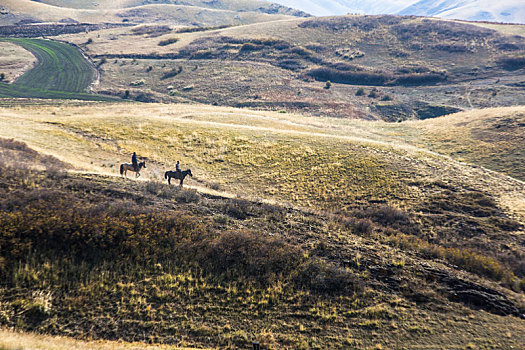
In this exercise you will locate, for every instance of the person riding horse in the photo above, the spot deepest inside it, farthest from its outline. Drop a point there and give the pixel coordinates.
(134, 161)
(177, 167)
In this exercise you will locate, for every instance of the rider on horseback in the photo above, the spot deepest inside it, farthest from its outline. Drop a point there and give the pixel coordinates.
(177, 167)
(134, 161)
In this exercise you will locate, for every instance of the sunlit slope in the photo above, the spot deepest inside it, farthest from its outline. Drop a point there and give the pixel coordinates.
(418, 228)
(322, 163)
(493, 138)
(379, 67)
(188, 12)
(11, 340)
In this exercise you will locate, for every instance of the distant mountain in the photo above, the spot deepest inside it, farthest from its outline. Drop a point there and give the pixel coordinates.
(472, 10)
(342, 7)
(511, 11)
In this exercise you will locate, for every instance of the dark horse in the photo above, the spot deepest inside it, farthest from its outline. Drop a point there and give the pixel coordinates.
(177, 175)
(124, 167)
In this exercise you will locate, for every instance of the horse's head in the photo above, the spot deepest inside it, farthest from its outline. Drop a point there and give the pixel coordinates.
(189, 172)
(142, 165)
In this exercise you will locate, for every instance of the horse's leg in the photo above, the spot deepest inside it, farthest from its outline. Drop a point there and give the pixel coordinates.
(181, 180)
(138, 174)
(169, 180)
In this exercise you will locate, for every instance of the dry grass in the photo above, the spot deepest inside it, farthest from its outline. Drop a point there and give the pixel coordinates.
(260, 154)
(492, 138)
(219, 72)
(13, 340)
(137, 12)
(14, 60)
(200, 294)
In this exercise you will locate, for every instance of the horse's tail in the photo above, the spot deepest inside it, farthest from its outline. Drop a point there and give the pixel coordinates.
(121, 169)
(166, 175)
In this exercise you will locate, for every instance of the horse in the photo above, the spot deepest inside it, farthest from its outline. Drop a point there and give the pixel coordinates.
(124, 167)
(177, 175)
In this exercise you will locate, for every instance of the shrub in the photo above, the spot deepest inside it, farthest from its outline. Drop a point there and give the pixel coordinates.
(168, 41)
(345, 77)
(289, 64)
(322, 277)
(249, 47)
(328, 85)
(360, 226)
(512, 63)
(420, 79)
(238, 208)
(172, 73)
(245, 254)
(360, 92)
(374, 93)
(385, 215)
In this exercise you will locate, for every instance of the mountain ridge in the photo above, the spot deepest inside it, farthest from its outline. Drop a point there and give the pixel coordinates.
(507, 11)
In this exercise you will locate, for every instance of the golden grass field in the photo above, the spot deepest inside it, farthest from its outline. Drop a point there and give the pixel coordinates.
(12, 340)
(321, 163)
(115, 11)
(321, 167)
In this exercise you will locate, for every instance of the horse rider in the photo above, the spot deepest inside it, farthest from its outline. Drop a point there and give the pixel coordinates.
(177, 167)
(134, 161)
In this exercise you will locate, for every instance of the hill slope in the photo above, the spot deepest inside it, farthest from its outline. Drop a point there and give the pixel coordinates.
(509, 11)
(394, 239)
(203, 13)
(384, 67)
(489, 137)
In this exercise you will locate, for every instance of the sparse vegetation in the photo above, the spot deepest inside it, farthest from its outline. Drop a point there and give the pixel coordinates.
(297, 230)
(172, 73)
(168, 41)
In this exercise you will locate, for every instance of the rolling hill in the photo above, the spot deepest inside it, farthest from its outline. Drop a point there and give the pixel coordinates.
(196, 12)
(357, 180)
(508, 11)
(386, 238)
(387, 67)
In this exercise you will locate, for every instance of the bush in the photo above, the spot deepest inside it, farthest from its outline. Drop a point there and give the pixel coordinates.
(172, 73)
(346, 77)
(289, 64)
(420, 79)
(249, 47)
(239, 209)
(262, 259)
(322, 277)
(374, 93)
(512, 63)
(168, 41)
(360, 92)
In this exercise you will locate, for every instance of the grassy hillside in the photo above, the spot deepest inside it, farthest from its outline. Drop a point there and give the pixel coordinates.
(365, 245)
(386, 67)
(191, 12)
(237, 5)
(11, 340)
(491, 137)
